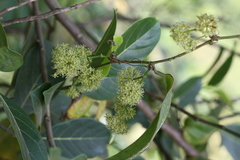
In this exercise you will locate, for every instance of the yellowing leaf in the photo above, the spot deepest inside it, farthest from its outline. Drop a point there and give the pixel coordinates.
(82, 106)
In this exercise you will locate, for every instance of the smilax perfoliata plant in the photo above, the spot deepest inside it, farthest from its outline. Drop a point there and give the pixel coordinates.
(74, 62)
(181, 31)
(130, 92)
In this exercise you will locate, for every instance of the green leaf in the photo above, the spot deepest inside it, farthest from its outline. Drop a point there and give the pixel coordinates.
(104, 47)
(107, 89)
(30, 141)
(54, 153)
(9, 59)
(198, 133)
(59, 104)
(81, 136)
(80, 157)
(39, 107)
(223, 70)
(188, 91)
(142, 143)
(232, 143)
(140, 39)
(118, 40)
(215, 62)
(29, 76)
(48, 94)
(138, 42)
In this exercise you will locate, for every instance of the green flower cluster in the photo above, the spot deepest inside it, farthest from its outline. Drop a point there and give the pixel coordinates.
(130, 92)
(181, 32)
(72, 62)
(207, 24)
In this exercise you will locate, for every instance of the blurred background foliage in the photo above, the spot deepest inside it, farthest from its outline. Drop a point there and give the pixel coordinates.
(94, 19)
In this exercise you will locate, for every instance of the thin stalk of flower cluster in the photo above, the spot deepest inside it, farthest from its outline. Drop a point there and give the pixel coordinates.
(228, 37)
(177, 56)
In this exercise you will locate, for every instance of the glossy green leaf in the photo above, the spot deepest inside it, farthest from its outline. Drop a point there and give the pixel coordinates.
(107, 90)
(104, 47)
(142, 143)
(48, 94)
(117, 40)
(29, 76)
(9, 59)
(59, 105)
(38, 101)
(138, 42)
(30, 141)
(198, 133)
(216, 60)
(81, 136)
(231, 142)
(222, 71)
(188, 91)
(140, 39)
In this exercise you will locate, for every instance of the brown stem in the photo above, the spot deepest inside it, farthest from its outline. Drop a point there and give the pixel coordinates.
(44, 72)
(41, 44)
(7, 130)
(15, 7)
(70, 26)
(200, 119)
(175, 134)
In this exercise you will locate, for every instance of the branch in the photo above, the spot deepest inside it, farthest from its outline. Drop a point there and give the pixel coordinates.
(229, 116)
(15, 7)
(175, 134)
(41, 44)
(44, 72)
(48, 14)
(70, 26)
(200, 119)
(7, 130)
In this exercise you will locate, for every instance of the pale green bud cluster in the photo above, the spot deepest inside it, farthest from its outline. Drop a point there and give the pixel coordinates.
(181, 31)
(181, 35)
(130, 92)
(207, 24)
(75, 62)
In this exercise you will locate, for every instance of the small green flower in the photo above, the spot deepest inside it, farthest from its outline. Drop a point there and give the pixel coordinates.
(116, 124)
(73, 62)
(207, 24)
(90, 79)
(73, 92)
(126, 112)
(180, 33)
(68, 61)
(130, 89)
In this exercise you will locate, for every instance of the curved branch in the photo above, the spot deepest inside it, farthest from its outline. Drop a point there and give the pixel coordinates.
(175, 134)
(15, 7)
(48, 14)
(70, 26)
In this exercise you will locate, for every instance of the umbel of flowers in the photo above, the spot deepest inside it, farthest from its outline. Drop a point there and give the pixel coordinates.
(130, 92)
(74, 62)
(181, 31)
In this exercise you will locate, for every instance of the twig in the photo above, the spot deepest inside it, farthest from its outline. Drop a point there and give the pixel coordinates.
(44, 72)
(7, 130)
(15, 7)
(70, 26)
(175, 134)
(229, 116)
(200, 119)
(41, 44)
(48, 14)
